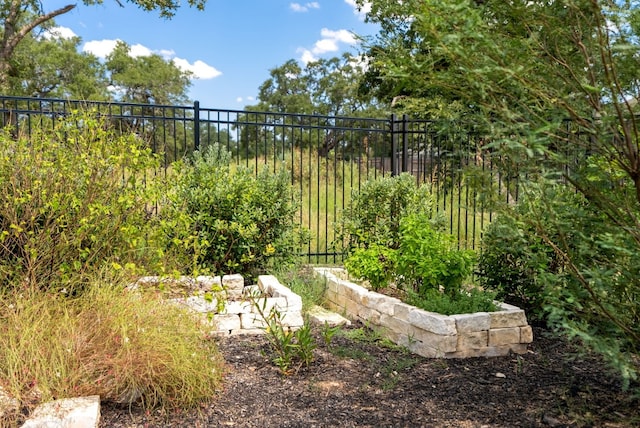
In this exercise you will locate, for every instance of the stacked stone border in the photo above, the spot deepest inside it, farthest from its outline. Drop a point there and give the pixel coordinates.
(432, 335)
(237, 313)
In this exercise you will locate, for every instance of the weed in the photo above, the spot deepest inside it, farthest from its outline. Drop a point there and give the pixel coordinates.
(292, 349)
(327, 332)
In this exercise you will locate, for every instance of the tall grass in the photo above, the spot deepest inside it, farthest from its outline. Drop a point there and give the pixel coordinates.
(109, 341)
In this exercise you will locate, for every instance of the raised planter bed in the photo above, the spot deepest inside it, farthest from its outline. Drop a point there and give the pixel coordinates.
(237, 314)
(432, 335)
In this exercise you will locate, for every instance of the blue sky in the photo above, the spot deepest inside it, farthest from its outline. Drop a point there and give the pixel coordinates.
(230, 47)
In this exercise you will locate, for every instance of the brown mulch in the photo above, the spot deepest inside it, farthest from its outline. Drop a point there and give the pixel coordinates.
(363, 382)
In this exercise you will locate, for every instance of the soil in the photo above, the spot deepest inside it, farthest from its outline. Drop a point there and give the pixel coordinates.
(359, 380)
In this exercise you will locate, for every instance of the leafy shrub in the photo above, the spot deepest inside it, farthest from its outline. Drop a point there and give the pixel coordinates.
(374, 213)
(376, 264)
(122, 345)
(428, 259)
(71, 201)
(222, 220)
(573, 264)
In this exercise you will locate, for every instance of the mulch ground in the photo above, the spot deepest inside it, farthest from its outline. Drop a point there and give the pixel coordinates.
(360, 381)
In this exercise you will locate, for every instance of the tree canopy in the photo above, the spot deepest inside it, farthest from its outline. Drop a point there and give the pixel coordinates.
(19, 19)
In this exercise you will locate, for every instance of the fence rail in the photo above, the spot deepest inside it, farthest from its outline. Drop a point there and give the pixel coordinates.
(329, 157)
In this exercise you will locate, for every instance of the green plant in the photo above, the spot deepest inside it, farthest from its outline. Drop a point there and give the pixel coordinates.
(327, 332)
(429, 260)
(125, 346)
(376, 264)
(463, 302)
(72, 200)
(225, 220)
(292, 349)
(301, 279)
(374, 213)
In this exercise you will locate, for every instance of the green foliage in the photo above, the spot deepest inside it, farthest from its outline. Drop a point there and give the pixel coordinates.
(72, 202)
(428, 259)
(462, 302)
(374, 213)
(292, 349)
(302, 280)
(327, 332)
(573, 265)
(221, 220)
(123, 345)
(514, 257)
(376, 264)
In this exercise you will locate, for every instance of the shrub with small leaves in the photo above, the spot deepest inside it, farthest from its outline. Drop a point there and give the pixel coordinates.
(376, 264)
(223, 220)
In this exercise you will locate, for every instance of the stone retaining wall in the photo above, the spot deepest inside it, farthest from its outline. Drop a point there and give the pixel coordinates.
(432, 335)
(237, 314)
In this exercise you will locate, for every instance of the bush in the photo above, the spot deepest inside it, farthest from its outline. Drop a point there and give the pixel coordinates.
(221, 220)
(429, 260)
(374, 213)
(72, 201)
(376, 264)
(122, 345)
(573, 265)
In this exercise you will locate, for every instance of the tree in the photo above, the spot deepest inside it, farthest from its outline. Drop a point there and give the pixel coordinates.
(20, 17)
(146, 79)
(312, 97)
(52, 67)
(555, 86)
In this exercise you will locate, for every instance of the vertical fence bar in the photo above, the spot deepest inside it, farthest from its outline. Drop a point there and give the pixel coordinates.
(196, 125)
(394, 145)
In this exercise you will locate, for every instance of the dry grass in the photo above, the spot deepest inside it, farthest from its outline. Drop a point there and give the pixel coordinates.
(119, 344)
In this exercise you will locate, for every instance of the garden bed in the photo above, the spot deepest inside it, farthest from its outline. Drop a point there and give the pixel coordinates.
(230, 305)
(432, 335)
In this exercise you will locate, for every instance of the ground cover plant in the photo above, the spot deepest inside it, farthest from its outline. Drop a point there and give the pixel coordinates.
(392, 237)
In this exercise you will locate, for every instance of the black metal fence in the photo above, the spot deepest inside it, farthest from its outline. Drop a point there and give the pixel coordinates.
(329, 157)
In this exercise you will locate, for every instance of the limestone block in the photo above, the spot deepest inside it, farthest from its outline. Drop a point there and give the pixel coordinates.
(246, 332)
(233, 285)
(209, 283)
(526, 334)
(479, 321)
(368, 315)
(226, 322)
(395, 324)
(473, 340)
(197, 304)
(251, 321)
(437, 341)
(251, 291)
(331, 285)
(351, 307)
(430, 321)
(511, 318)
(504, 336)
(83, 412)
(380, 302)
(267, 282)
(402, 310)
(293, 319)
(319, 316)
(425, 350)
(354, 291)
(237, 307)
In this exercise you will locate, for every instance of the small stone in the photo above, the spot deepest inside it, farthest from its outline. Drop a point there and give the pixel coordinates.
(501, 375)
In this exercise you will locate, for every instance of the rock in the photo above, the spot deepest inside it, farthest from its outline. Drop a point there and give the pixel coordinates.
(319, 316)
(82, 412)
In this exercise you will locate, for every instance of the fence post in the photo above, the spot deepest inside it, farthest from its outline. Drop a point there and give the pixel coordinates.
(405, 143)
(394, 146)
(196, 125)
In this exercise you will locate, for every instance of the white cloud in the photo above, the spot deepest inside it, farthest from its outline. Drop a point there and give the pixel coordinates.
(200, 69)
(297, 7)
(361, 12)
(59, 33)
(330, 42)
(100, 48)
(247, 99)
